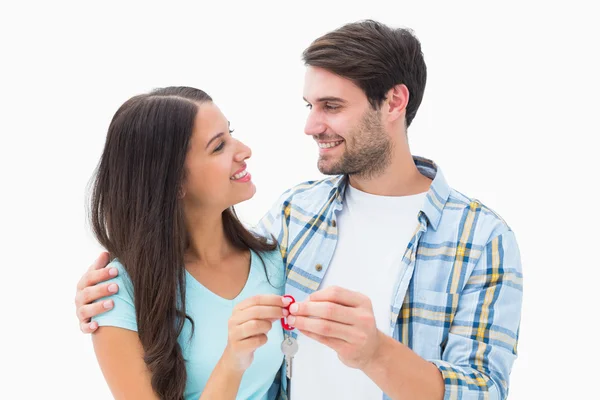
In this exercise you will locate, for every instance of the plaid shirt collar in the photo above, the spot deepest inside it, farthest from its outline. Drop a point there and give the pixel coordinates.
(436, 198)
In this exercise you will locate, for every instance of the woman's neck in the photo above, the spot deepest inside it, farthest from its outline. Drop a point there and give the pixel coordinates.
(208, 244)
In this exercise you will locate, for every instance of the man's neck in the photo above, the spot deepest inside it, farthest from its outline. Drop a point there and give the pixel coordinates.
(400, 178)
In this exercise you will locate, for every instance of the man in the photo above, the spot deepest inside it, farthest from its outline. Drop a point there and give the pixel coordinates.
(404, 288)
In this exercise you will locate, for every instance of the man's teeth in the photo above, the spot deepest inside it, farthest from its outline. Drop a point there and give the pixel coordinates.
(239, 176)
(330, 144)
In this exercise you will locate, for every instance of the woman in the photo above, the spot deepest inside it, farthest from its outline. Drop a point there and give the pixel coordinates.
(199, 293)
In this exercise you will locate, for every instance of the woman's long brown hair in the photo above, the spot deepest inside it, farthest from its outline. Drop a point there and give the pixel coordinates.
(137, 216)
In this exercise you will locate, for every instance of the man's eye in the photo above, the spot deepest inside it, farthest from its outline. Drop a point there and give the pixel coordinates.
(309, 106)
(331, 107)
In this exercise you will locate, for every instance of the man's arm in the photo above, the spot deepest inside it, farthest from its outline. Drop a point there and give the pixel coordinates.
(482, 342)
(403, 374)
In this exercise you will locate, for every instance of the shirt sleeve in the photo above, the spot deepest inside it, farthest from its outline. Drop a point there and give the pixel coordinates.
(482, 341)
(122, 315)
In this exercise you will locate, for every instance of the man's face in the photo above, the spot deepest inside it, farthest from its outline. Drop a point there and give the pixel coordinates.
(350, 134)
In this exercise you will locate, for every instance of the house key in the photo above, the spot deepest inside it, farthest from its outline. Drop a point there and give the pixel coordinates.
(289, 348)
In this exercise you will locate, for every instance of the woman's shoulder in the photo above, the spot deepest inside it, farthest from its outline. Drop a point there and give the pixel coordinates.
(116, 263)
(122, 276)
(122, 314)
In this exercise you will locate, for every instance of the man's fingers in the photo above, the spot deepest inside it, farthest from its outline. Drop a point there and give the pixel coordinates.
(336, 294)
(324, 328)
(87, 327)
(325, 310)
(261, 300)
(93, 293)
(332, 343)
(84, 313)
(93, 277)
(101, 261)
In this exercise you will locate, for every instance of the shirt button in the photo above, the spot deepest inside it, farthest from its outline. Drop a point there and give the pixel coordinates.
(318, 267)
(333, 223)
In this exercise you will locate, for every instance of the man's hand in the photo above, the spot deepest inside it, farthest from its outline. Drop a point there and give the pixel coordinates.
(342, 320)
(88, 291)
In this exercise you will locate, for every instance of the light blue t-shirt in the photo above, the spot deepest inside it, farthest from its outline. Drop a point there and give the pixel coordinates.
(210, 314)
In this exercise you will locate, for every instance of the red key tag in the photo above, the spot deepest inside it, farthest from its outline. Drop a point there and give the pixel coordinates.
(284, 320)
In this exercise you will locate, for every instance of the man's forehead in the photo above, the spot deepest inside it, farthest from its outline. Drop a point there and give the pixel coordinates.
(323, 85)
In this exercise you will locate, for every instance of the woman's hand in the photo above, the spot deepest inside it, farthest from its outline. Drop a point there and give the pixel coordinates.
(249, 324)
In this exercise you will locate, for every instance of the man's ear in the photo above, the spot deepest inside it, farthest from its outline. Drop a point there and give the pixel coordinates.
(396, 102)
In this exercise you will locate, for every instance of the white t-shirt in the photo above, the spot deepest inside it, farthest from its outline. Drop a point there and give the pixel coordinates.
(373, 234)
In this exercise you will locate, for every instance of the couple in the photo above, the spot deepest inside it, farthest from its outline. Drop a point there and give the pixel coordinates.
(404, 288)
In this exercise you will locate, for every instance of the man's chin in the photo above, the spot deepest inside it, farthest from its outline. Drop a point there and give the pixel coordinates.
(328, 169)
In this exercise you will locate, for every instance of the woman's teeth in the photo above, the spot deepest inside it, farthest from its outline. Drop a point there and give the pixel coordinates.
(330, 144)
(239, 176)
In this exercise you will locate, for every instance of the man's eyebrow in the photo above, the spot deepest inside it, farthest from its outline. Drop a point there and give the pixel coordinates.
(218, 135)
(328, 98)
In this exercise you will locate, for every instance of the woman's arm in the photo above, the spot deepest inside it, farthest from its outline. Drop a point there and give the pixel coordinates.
(224, 382)
(121, 358)
(120, 353)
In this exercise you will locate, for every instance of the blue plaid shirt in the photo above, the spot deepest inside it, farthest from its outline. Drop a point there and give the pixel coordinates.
(458, 293)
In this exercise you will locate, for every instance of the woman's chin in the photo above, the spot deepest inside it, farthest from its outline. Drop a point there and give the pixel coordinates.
(246, 194)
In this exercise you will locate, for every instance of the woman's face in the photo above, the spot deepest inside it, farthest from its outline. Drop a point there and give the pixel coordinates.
(216, 176)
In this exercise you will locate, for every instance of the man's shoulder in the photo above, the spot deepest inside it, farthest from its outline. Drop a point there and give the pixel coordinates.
(313, 191)
(306, 198)
(488, 222)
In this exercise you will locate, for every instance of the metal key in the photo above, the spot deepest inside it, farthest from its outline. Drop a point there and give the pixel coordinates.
(289, 348)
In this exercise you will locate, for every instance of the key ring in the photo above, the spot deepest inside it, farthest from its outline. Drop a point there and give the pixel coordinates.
(283, 320)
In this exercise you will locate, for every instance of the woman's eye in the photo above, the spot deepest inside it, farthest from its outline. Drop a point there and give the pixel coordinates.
(220, 147)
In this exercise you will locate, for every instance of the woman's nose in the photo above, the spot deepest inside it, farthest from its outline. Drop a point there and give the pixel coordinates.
(244, 152)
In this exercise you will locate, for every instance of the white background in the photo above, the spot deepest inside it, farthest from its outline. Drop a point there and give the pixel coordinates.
(508, 114)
